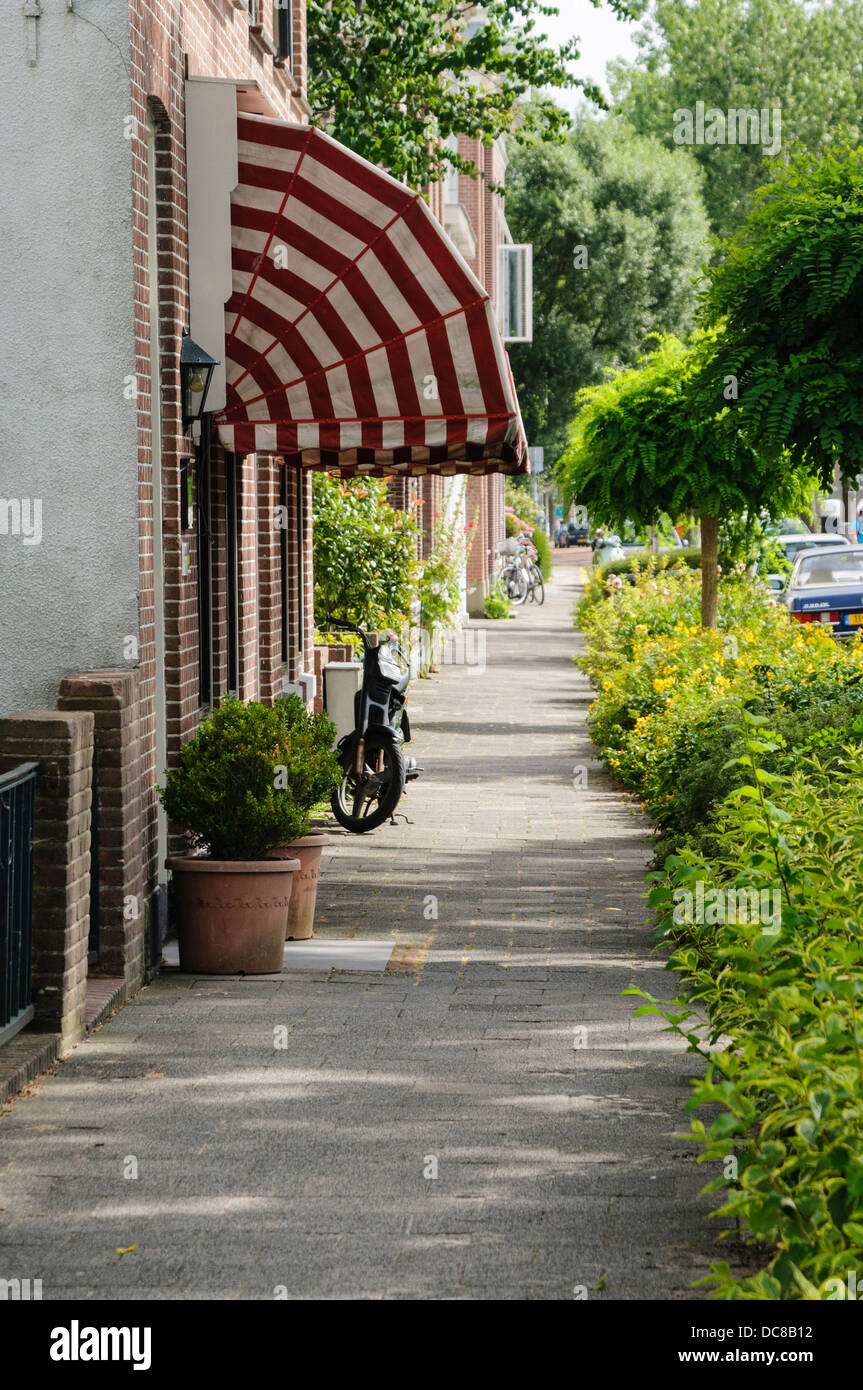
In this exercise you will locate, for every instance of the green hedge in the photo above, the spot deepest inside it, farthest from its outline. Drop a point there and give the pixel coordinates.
(641, 560)
(746, 745)
(544, 553)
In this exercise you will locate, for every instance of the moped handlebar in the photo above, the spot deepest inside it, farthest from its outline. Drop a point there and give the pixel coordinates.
(343, 625)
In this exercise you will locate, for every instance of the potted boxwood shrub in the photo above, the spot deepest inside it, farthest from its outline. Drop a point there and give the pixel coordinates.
(232, 793)
(313, 772)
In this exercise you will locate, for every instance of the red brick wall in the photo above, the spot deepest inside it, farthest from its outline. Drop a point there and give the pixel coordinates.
(269, 579)
(170, 39)
(247, 574)
(486, 211)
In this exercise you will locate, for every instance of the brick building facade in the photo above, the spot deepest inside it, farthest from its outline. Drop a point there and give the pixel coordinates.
(474, 216)
(171, 572)
(255, 649)
(219, 598)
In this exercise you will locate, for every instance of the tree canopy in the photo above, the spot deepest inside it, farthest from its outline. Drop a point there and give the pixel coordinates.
(395, 79)
(619, 234)
(789, 296)
(650, 440)
(747, 54)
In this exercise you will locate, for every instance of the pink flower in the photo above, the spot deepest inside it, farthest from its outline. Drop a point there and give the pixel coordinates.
(771, 603)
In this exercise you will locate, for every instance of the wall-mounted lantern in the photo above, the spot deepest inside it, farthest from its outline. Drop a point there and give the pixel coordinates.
(196, 370)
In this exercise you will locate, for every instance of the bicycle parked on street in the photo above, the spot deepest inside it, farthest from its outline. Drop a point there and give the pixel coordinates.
(519, 577)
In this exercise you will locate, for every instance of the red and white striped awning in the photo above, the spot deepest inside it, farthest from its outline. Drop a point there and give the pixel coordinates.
(356, 337)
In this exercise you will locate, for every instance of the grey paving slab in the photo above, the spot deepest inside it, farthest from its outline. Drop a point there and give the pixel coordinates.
(428, 1130)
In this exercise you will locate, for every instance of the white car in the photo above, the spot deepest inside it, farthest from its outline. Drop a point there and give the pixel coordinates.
(793, 544)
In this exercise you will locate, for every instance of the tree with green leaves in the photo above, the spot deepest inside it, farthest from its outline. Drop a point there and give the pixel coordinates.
(651, 440)
(395, 79)
(619, 234)
(746, 55)
(364, 553)
(789, 297)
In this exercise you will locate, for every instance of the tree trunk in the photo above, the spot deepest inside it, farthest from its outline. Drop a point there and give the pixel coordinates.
(709, 567)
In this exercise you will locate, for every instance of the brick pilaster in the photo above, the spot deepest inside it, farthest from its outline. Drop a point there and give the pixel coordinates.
(126, 804)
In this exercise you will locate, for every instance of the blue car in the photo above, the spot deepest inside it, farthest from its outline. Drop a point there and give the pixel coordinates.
(826, 586)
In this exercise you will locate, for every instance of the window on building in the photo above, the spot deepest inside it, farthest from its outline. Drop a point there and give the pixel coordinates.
(283, 33)
(516, 293)
(450, 187)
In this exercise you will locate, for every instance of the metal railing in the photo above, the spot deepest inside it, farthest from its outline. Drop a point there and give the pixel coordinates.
(17, 797)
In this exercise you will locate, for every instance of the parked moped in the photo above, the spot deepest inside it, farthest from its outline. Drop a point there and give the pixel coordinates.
(374, 766)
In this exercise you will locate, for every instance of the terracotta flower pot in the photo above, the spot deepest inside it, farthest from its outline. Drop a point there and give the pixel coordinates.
(301, 908)
(232, 914)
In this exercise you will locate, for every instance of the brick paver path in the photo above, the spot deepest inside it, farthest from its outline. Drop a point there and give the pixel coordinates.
(309, 1166)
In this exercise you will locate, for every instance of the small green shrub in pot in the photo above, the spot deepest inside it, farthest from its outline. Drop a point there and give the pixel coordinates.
(243, 790)
(250, 776)
(313, 767)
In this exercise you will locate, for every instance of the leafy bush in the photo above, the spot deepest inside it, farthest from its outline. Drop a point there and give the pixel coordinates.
(773, 821)
(364, 553)
(543, 552)
(787, 990)
(497, 605)
(641, 560)
(518, 495)
(250, 776)
(439, 586)
(666, 689)
(515, 525)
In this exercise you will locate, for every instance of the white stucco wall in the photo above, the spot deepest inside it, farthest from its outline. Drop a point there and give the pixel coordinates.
(68, 436)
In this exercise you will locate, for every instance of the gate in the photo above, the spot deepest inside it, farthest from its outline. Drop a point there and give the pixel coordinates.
(17, 797)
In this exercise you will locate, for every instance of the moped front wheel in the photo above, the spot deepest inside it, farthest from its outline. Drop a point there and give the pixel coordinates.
(363, 801)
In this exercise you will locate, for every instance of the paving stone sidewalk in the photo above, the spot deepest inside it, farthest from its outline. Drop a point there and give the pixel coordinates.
(307, 1167)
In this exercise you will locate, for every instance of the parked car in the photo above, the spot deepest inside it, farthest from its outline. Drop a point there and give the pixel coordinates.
(560, 536)
(826, 586)
(787, 526)
(577, 535)
(792, 544)
(634, 541)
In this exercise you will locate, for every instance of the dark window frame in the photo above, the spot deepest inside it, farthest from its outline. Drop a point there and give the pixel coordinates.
(283, 34)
